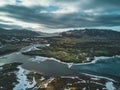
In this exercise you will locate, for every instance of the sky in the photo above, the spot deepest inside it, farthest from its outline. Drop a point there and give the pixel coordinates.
(59, 15)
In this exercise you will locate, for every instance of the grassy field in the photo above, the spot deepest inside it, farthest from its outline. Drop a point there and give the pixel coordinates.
(10, 48)
(77, 50)
(8, 76)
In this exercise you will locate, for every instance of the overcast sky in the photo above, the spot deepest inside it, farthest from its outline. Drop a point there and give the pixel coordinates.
(59, 15)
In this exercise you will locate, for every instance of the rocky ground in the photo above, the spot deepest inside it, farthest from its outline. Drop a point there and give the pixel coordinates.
(14, 77)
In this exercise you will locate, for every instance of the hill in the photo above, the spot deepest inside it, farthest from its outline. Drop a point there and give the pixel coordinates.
(14, 32)
(92, 34)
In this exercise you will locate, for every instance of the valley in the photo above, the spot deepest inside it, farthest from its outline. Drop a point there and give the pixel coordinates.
(59, 63)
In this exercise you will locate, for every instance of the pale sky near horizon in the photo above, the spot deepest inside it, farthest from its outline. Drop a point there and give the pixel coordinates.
(59, 15)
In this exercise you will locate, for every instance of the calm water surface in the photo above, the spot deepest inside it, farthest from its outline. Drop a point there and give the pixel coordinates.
(109, 67)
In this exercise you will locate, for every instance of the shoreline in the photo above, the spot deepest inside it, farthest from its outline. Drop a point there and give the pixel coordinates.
(39, 59)
(71, 64)
(109, 81)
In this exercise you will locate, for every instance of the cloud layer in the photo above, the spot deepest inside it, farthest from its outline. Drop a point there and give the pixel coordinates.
(46, 15)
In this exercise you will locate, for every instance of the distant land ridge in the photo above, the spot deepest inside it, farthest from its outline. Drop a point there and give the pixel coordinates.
(92, 34)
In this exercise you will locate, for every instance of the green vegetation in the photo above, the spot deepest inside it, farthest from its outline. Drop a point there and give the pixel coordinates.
(10, 48)
(8, 80)
(78, 50)
(8, 76)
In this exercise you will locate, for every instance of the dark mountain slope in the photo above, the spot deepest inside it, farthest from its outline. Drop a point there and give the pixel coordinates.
(92, 34)
(15, 32)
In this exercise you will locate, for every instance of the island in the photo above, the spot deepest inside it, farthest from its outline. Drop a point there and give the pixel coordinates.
(77, 50)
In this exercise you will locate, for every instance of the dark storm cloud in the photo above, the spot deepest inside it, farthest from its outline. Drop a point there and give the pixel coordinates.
(103, 13)
(27, 14)
(102, 4)
(115, 3)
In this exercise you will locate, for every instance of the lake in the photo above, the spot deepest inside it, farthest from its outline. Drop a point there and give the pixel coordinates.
(107, 67)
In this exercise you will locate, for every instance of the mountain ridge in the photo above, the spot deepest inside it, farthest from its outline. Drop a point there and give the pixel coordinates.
(16, 32)
(92, 34)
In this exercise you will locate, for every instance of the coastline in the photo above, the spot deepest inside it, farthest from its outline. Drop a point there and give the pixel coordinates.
(39, 59)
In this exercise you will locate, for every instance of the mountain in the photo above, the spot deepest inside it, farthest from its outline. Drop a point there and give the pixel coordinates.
(92, 34)
(22, 32)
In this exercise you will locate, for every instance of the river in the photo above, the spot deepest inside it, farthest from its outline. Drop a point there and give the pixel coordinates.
(106, 67)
